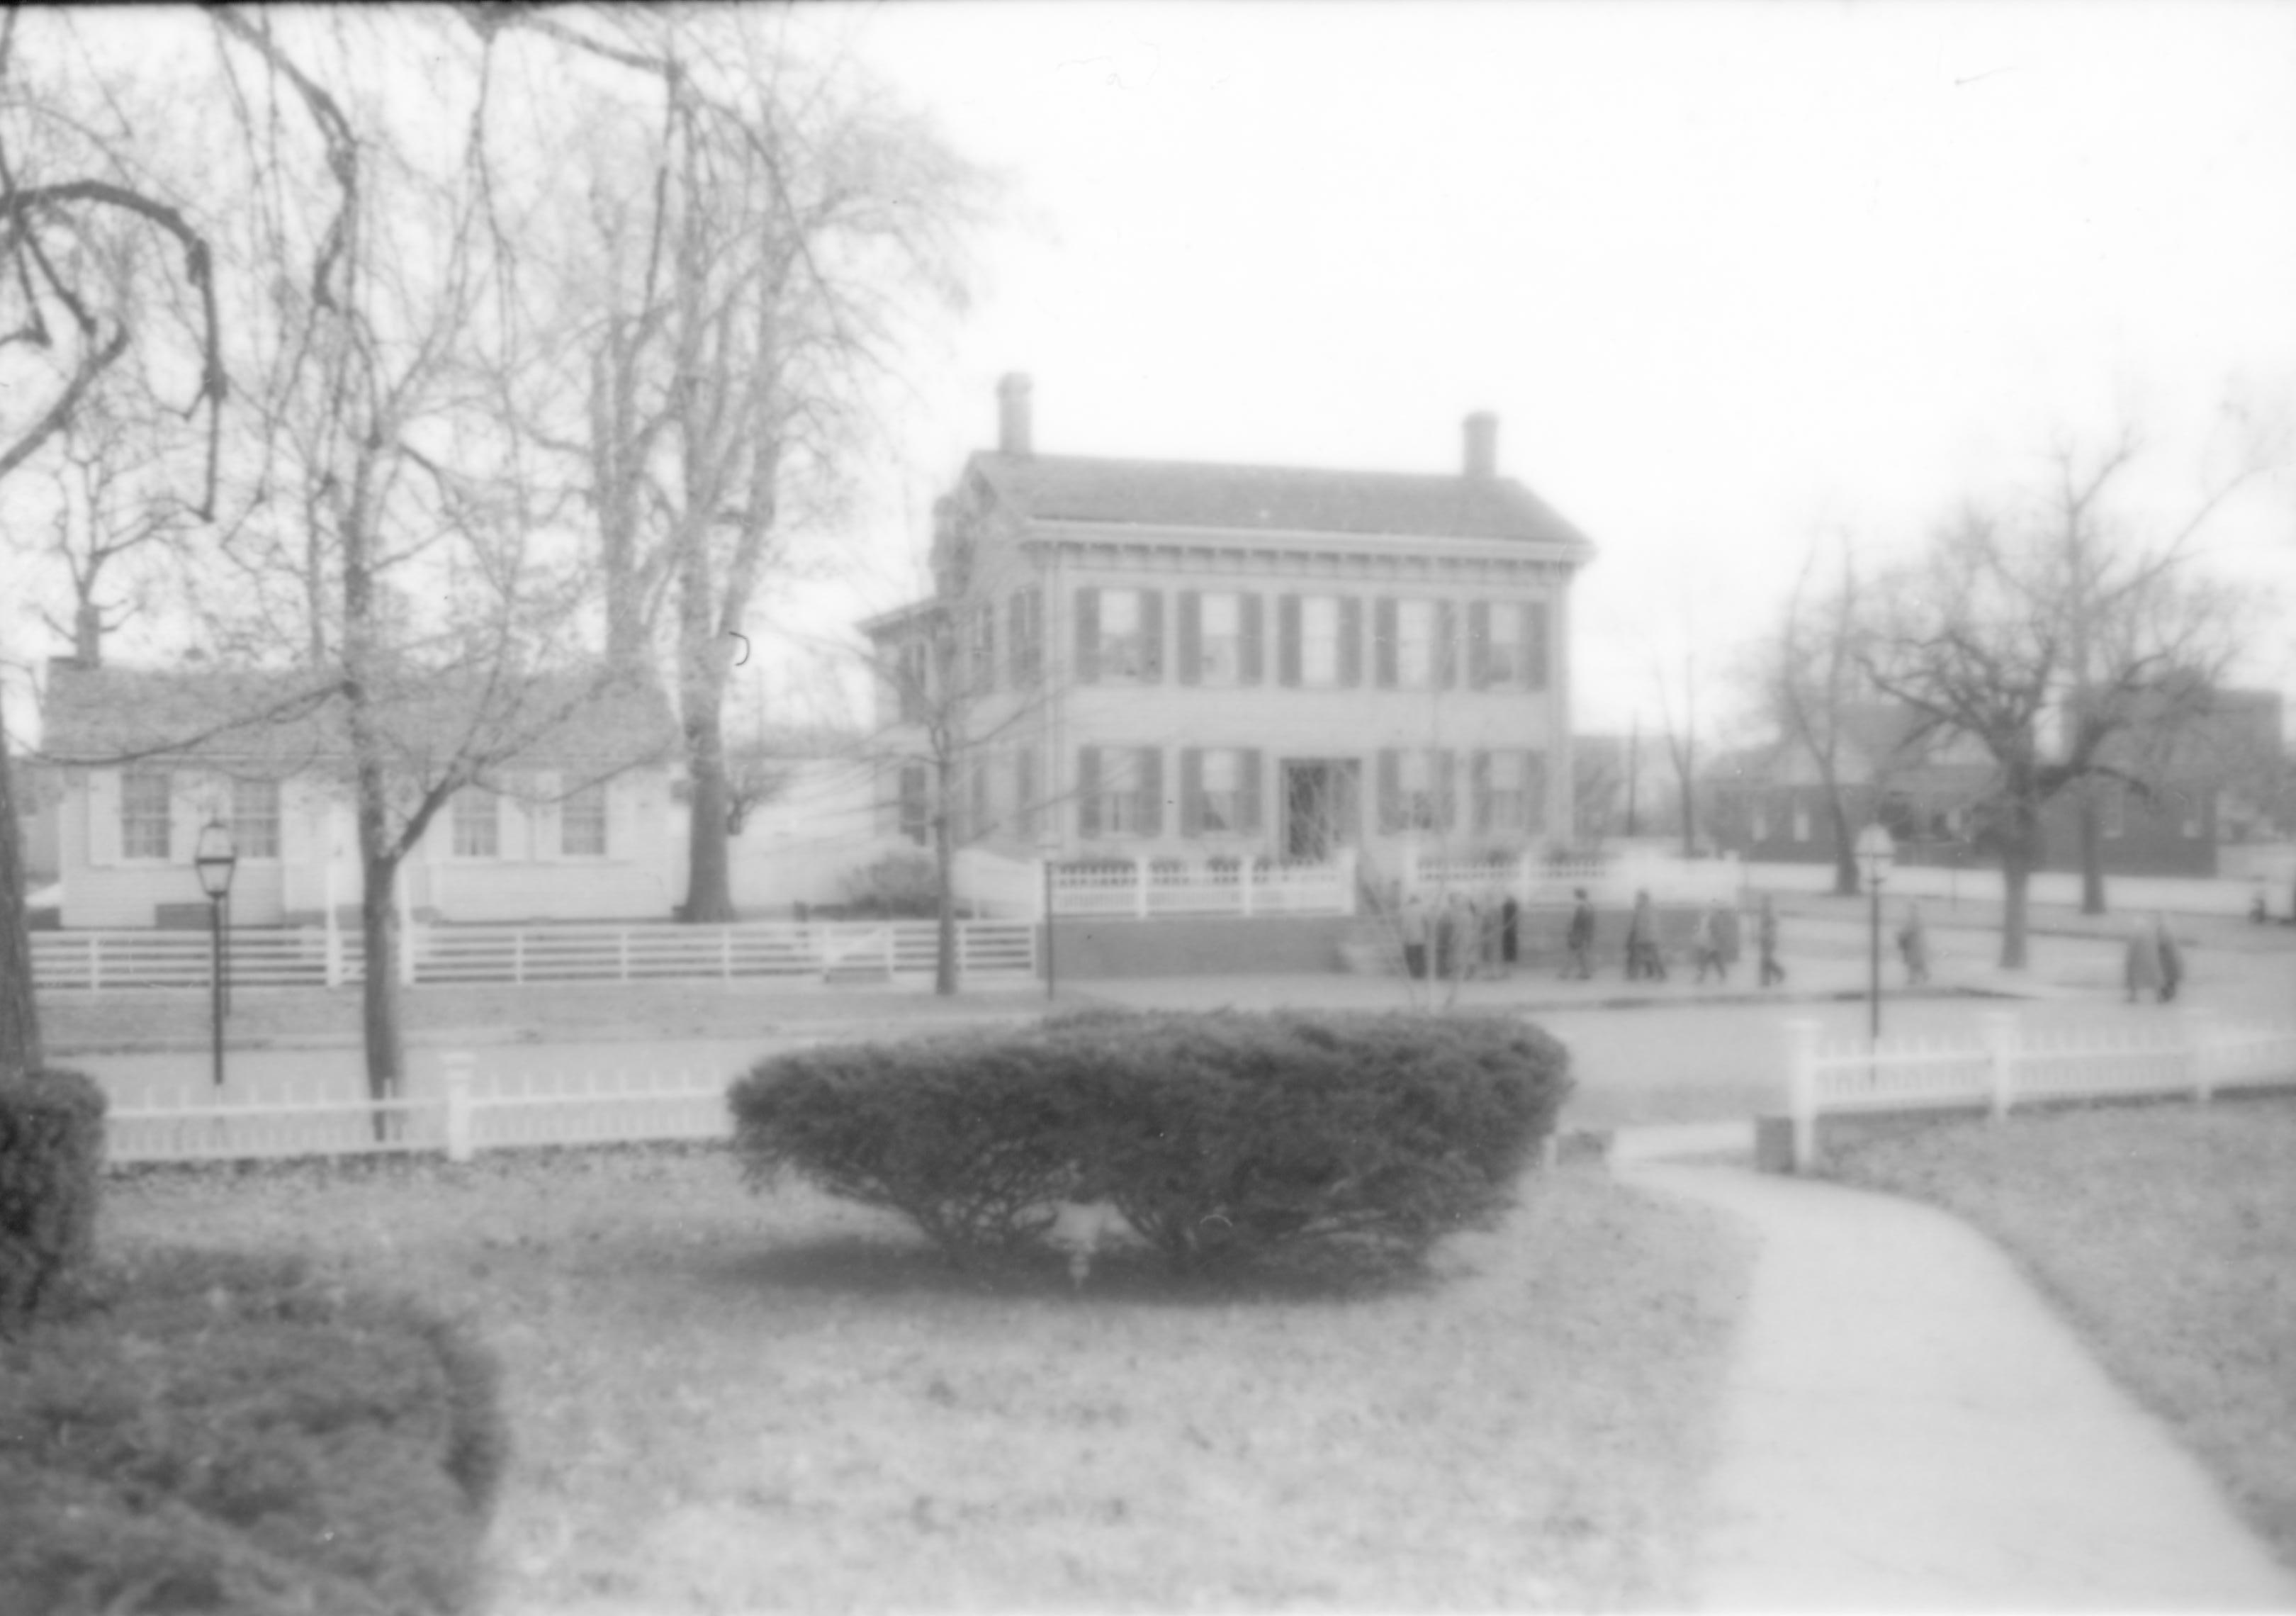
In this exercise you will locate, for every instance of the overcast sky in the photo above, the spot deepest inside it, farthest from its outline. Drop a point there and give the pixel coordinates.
(1735, 278)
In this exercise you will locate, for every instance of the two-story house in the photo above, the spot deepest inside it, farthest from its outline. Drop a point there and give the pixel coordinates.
(1200, 662)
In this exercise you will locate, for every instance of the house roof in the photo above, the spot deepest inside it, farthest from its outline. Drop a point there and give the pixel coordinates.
(280, 722)
(1180, 494)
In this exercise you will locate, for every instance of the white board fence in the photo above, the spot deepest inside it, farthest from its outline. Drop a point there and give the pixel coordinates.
(2187, 1054)
(314, 958)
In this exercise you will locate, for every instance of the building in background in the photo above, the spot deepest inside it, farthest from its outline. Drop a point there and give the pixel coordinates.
(1129, 659)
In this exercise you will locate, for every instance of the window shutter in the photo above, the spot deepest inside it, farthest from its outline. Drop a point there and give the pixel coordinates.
(1383, 641)
(1447, 804)
(1534, 792)
(1088, 636)
(1189, 635)
(1250, 668)
(1287, 639)
(1479, 645)
(1191, 791)
(984, 669)
(1350, 641)
(1390, 791)
(983, 816)
(1024, 791)
(547, 818)
(1479, 773)
(1089, 790)
(1447, 652)
(1016, 624)
(1247, 769)
(1151, 635)
(1152, 791)
(103, 817)
(1534, 644)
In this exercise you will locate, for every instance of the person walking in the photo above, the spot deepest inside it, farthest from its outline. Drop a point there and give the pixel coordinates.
(1706, 942)
(2172, 959)
(1914, 947)
(1642, 957)
(1580, 939)
(1765, 938)
(1447, 935)
(1413, 925)
(1510, 934)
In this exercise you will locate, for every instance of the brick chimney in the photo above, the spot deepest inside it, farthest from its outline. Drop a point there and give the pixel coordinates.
(1482, 445)
(1012, 424)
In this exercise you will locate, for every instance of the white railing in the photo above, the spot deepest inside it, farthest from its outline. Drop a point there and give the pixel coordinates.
(470, 1115)
(2189, 1054)
(303, 957)
(1142, 889)
(1612, 881)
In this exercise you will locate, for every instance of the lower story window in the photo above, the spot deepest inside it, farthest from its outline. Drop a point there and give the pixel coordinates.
(478, 823)
(144, 814)
(255, 818)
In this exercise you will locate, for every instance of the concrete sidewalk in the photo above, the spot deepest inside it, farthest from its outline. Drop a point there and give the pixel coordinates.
(1909, 1427)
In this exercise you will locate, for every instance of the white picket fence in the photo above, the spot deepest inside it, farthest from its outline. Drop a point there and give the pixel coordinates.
(1144, 888)
(2188, 1054)
(313, 957)
(469, 1114)
(1611, 881)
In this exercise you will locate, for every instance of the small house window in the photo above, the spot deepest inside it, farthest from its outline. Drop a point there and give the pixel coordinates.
(1421, 789)
(1509, 785)
(255, 818)
(1319, 640)
(582, 822)
(144, 816)
(1415, 644)
(1802, 822)
(2113, 814)
(1123, 637)
(478, 823)
(1221, 806)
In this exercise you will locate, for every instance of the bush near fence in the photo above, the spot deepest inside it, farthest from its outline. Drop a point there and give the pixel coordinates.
(51, 1165)
(1218, 1137)
(211, 1431)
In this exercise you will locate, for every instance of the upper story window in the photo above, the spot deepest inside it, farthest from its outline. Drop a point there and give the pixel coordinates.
(1219, 640)
(1507, 645)
(582, 822)
(1025, 635)
(1415, 644)
(145, 813)
(255, 818)
(1120, 635)
(1319, 642)
(913, 679)
(478, 823)
(983, 673)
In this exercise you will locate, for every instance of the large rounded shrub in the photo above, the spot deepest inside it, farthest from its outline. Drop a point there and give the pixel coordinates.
(1221, 1135)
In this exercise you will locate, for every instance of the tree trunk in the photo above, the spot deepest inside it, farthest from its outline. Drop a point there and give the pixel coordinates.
(943, 885)
(19, 1011)
(2092, 851)
(87, 635)
(386, 1047)
(1847, 883)
(1689, 812)
(709, 875)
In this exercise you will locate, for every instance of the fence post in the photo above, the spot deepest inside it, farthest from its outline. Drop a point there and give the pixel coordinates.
(2200, 1040)
(460, 1143)
(95, 961)
(726, 953)
(1140, 888)
(1243, 869)
(1801, 1093)
(2000, 1059)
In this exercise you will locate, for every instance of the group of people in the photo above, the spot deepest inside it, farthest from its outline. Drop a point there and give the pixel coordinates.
(1463, 934)
(1714, 943)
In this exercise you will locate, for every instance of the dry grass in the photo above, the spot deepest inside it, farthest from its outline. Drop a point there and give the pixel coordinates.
(2167, 1234)
(722, 1402)
(127, 1020)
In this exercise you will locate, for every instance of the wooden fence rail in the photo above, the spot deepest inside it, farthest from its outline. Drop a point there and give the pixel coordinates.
(2191, 1054)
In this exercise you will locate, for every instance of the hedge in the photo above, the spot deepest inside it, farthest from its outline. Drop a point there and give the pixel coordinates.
(1216, 1136)
(215, 1433)
(50, 1177)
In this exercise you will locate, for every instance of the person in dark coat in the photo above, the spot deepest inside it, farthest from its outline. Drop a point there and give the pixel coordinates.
(1642, 957)
(1580, 939)
(1510, 931)
(1766, 937)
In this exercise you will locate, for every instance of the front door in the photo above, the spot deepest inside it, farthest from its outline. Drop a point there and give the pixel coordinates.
(1320, 805)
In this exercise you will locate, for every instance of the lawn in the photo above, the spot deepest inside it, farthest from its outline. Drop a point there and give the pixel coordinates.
(2167, 1235)
(722, 1401)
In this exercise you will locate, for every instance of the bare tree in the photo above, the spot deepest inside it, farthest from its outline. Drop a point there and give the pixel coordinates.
(1682, 744)
(761, 273)
(2024, 629)
(69, 319)
(1808, 679)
